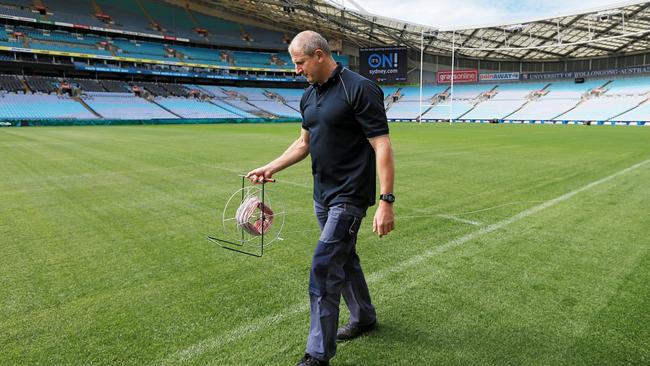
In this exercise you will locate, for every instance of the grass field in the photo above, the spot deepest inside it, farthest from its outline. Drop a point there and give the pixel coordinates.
(522, 245)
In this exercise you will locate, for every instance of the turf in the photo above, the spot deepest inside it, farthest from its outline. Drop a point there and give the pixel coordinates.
(104, 259)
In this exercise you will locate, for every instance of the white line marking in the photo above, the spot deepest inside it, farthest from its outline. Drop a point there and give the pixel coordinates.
(242, 331)
(377, 276)
(214, 343)
(465, 221)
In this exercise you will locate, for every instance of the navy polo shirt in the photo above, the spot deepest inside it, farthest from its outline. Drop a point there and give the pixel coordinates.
(340, 115)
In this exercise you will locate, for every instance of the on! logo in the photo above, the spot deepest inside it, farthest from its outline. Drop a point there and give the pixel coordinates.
(377, 60)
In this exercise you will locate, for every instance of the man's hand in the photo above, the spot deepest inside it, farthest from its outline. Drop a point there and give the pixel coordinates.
(260, 175)
(384, 221)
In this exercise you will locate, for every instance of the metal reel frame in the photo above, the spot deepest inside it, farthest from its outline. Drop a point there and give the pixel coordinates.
(239, 246)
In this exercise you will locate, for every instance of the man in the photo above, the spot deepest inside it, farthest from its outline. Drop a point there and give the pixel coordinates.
(345, 130)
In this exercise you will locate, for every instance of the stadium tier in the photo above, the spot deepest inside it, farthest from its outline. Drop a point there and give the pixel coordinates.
(152, 38)
(277, 108)
(289, 95)
(41, 106)
(445, 111)
(620, 100)
(42, 98)
(599, 100)
(62, 41)
(147, 16)
(193, 108)
(152, 34)
(125, 106)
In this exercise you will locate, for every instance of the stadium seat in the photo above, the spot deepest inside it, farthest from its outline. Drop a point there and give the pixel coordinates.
(192, 108)
(125, 106)
(276, 108)
(41, 106)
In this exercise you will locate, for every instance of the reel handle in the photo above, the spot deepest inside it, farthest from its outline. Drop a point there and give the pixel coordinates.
(266, 180)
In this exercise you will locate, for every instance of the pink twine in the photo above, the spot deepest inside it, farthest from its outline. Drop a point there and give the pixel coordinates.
(247, 210)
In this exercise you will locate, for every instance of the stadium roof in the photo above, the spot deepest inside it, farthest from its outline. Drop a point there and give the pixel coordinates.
(620, 29)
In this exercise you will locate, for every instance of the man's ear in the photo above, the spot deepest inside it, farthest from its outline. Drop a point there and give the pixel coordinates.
(320, 54)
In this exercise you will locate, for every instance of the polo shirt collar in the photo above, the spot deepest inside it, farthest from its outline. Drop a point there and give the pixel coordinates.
(332, 76)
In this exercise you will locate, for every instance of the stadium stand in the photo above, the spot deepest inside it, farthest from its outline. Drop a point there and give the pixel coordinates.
(152, 88)
(220, 32)
(390, 91)
(171, 19)
(228, 52)
(434, 108)
(147, 16)
(41, 106)
(88, 85)
(64, 41)
(246, 93)
(210, 90)
(404, 110)
(629, 91)
(175, 89)
(600, 108)
(125, 106)
(444, 111)
(502, 100)
(192, 108)
(234, 109)
(557, 99)
(41, 84)
(412, 93)
(637, 114)
(594, 100)
(141, 49)
(246, 107)
(470, 91)
(19, 8)
(201, 55)
(114, 86)
(125, 15)
(289, 95)
(11, 83)
(276, 108)
(71, 11)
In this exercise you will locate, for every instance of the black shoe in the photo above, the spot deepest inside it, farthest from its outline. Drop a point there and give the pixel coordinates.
(353, 331)
(308, 360)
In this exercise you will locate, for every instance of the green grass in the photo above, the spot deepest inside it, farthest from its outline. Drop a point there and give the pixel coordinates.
(104, 259)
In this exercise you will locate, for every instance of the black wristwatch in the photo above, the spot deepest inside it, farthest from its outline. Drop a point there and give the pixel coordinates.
(388, 197)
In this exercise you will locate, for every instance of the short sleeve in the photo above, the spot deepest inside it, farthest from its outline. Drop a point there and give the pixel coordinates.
(303, 100)
(369, 110)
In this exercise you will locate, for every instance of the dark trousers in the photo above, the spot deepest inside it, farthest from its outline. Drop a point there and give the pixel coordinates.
(336, 270)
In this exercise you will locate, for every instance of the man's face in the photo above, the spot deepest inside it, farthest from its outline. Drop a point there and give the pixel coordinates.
(308, 66)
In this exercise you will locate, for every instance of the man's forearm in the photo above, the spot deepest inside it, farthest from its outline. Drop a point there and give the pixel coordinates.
(385, 165)
(384, 220)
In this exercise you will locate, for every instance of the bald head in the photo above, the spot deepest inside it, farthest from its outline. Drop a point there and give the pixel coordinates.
(307, 42)
(312, 56)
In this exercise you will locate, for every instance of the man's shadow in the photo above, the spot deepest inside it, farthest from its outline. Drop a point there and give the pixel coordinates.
(388, 338)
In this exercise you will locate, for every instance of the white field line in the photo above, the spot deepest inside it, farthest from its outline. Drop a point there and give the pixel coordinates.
(214, 343)
(377, 276)
(465, 221)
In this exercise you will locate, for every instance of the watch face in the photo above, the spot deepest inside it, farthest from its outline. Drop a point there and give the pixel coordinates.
(390, 198)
